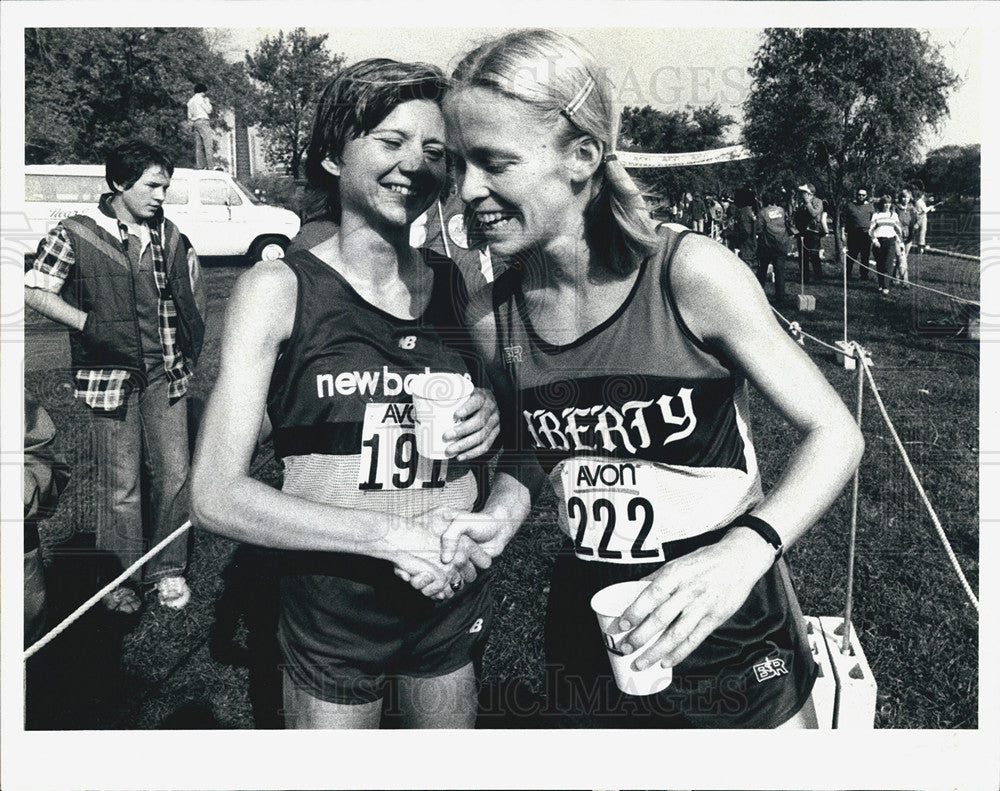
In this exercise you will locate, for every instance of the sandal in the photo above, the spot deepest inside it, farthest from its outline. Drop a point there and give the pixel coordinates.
(173, 592)
(123, 600)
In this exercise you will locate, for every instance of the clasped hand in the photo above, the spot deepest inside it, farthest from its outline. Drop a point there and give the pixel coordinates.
(447, 549)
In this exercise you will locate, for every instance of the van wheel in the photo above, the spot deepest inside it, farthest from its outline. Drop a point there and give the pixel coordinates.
(267, 248)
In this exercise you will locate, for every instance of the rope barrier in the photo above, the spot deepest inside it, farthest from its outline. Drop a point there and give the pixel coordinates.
(798, 333)
(952, 253)
(87, 605)
(862, 355)
(872, 269)
(913, 283)
(920, 489)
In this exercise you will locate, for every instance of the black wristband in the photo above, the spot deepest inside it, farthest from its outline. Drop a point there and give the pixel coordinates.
(763, 529)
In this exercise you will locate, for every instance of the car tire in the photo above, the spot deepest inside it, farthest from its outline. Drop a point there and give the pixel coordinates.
(267, 248)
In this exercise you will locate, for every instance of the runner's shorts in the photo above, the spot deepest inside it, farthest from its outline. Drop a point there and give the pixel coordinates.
(343, 635)
(754, 671)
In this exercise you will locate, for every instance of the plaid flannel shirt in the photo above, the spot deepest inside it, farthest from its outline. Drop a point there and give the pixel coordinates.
(105, 389)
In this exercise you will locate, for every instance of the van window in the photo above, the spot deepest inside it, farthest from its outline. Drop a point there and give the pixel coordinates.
(51, 188)
(216, 192)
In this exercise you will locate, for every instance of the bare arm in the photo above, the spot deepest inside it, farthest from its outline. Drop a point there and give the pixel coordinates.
(518, 476)
(54, 307)
(226, 500)
(725, 307)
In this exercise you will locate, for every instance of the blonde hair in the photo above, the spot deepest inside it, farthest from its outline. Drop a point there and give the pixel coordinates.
(558, 79)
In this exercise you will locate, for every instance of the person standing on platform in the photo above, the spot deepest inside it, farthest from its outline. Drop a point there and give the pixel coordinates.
(128, 286)
(199, 113)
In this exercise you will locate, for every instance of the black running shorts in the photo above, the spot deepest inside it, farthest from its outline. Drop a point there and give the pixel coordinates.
(343, 635)
(754, 671)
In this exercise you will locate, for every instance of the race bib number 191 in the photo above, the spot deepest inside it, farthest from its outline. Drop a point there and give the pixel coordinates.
(389, 458)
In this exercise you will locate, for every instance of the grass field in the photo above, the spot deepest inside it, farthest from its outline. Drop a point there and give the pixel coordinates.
(211, 664)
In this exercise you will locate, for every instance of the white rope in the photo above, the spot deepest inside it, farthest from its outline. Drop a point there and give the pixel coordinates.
(920, 488)
(952, 253)
(797, 331)
(854, 349)
(914, 283)
(79, 611)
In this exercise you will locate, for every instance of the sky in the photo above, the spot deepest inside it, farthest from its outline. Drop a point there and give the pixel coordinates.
(668, 68)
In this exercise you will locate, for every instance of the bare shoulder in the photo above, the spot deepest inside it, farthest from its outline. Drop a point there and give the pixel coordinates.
(266, 296)
(267, 279)
(713, 288)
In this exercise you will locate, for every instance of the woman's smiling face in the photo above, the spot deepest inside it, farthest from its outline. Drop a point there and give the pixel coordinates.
(512, 172)
(393, 173)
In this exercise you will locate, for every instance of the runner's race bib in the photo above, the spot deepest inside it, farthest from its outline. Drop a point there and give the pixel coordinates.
(624, 511)
(389, 458)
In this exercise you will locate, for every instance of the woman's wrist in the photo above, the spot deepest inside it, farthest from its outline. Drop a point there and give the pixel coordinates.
(760, 554)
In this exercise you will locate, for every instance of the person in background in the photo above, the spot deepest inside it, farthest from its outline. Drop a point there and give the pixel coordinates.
(199, 113)
(716, 214)
(921, 210)
(857, 220)
(886, 235)
(128, 285)
(741, 235)
(906, 211)
(698, 211)
(772, 243)
(808, 224)
(45, 477)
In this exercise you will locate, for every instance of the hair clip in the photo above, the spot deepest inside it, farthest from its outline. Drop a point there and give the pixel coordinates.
(612, 157)
(577, 101)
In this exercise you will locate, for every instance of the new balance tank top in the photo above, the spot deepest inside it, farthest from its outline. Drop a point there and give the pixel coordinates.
(339, 399)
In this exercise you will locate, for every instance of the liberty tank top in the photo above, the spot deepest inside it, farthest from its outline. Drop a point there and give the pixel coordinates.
(641, 429)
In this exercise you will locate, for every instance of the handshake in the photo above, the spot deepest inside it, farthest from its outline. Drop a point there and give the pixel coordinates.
(442, 550)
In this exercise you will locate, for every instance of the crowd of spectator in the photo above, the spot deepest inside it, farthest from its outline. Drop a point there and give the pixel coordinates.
(877, 233)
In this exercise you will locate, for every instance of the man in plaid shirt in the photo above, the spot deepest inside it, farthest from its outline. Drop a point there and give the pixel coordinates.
(128, 286)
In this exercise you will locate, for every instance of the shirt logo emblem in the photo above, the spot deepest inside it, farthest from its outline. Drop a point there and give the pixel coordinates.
(477, 626)
(770, 668)
(513, 354)
(408, 342)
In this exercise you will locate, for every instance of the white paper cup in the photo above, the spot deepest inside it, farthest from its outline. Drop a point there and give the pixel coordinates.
(436, 396)
(609, 603)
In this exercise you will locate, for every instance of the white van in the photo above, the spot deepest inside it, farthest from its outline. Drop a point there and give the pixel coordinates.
(218, 215)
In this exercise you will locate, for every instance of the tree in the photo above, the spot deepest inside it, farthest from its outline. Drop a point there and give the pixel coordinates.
(950, 170)
(289, 73)
(88, 89)
(843, 107)
(693, 129)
